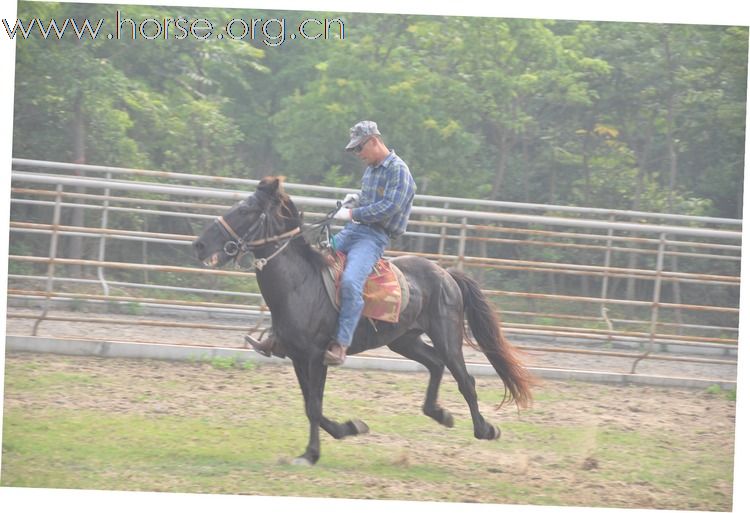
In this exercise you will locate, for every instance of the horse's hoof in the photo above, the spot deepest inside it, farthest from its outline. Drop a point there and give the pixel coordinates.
(360, 428)
(489, 433)
(446, 419)
(301, 462)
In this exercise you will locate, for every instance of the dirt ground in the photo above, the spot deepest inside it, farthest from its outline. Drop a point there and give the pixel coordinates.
(564, 451)
(697, 424)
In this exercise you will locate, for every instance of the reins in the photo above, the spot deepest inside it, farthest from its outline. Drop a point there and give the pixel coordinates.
(260, 263)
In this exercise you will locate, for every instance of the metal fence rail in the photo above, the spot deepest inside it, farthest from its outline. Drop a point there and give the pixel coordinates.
(572, 271)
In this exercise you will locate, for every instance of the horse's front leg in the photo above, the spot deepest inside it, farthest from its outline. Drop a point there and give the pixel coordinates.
(311, 374)
(337, 430)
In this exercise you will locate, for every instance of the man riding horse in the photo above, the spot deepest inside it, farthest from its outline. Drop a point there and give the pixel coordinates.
(443, 304)
(378, 214)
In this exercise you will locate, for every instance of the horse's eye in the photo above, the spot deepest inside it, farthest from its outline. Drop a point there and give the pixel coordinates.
(244, 210)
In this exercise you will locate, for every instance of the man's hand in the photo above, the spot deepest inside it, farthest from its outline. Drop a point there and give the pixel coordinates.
(351, 200)
(343, 214)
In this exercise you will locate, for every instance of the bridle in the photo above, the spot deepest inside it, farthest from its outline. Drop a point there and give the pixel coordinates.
(237, 245)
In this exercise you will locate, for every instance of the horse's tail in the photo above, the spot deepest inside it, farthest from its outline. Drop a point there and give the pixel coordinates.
(485, 325)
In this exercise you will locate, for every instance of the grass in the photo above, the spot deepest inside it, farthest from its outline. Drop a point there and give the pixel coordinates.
(224, 362)
(64, 429)
(730, 395)
(45, 381)
(89, 450)
(231, 362)
(86, 449)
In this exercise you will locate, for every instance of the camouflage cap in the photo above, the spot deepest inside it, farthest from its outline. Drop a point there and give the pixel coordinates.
(360, 133)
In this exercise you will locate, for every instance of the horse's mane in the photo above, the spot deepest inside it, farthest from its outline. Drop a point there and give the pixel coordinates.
(273, 187)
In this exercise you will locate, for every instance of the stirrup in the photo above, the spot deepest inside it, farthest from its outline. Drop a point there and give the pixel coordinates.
(333, 359)
(259, 346)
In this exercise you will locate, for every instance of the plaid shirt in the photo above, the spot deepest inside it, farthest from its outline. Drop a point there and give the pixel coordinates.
(387, 193)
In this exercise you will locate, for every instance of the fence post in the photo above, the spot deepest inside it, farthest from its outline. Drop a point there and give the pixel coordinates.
(462, 244)
(52, 255)
(605, 281)
(655, 302)
(103, 239)
(443, 232)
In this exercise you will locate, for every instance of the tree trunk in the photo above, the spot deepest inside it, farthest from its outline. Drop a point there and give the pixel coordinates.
(585, 150)
(75, 249)
(502, 143)
(526, 172)
(642, 158)
(672, 150)
(501, 140)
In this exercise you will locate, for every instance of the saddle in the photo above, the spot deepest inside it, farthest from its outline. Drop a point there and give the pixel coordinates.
(386, 290)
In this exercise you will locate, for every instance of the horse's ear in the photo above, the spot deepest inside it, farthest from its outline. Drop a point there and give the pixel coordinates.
(272, 186)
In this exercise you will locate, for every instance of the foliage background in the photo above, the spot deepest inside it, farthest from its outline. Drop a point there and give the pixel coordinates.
(625, 115)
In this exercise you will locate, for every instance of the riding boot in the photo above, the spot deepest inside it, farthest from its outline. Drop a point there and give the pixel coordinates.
(335, 355)
(270, 346)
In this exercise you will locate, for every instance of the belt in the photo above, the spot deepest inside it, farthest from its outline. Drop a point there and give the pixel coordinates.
(376, 226)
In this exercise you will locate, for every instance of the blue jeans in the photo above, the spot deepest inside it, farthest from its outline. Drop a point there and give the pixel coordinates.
(363, 246)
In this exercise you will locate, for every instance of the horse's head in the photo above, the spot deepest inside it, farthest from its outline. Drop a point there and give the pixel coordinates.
(250, 225)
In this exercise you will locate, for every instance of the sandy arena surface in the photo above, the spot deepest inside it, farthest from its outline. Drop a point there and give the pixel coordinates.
(588, 474)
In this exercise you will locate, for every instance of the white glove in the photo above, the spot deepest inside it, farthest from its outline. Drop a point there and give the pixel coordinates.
(343, 214)
(351, 199)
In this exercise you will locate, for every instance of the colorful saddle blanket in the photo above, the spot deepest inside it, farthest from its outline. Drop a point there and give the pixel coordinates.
(386, 291)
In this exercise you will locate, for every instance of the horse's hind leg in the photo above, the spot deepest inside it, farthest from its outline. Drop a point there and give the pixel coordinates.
(412, 347)
(447, 337)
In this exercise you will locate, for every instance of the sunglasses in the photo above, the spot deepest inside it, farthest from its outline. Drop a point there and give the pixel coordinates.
(358, 148)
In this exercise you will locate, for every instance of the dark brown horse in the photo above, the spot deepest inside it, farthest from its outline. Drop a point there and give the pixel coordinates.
(289, 275)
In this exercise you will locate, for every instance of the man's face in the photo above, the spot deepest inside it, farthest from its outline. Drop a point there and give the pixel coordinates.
(366, 151)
